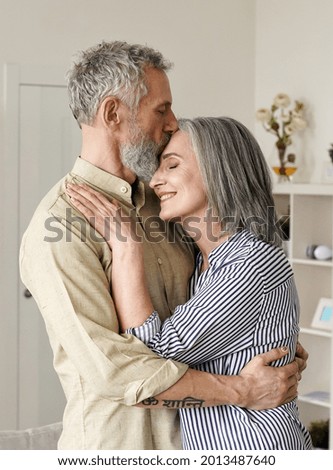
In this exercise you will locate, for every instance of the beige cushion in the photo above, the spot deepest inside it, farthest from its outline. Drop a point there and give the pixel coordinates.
(44, 437)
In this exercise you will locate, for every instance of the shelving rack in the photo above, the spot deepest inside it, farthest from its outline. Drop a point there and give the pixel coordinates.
(310, 211)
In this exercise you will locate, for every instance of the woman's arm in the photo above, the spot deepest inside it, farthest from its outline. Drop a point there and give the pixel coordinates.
(129, 286)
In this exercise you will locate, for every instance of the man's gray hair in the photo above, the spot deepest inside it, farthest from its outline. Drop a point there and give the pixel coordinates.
(110, 69)
(235, 174)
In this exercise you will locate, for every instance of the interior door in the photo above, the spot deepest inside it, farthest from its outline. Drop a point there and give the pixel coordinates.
(49, 142)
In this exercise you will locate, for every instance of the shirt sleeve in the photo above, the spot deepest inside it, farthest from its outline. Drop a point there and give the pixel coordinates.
(68, 281)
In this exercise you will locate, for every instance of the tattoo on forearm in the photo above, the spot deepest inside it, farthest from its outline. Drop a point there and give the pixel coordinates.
(150, 401)
(187, 402)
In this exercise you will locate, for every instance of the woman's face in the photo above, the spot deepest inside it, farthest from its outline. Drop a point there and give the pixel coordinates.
(178, 182)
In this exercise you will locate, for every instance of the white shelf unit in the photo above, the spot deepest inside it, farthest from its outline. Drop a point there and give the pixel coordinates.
(310, 207)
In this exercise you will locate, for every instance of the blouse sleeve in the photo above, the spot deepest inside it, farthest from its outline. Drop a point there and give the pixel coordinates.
(148, 329)
(233, 310)
(219, 319)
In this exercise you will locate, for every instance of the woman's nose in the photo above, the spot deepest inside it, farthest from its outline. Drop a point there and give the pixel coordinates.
(156, 179)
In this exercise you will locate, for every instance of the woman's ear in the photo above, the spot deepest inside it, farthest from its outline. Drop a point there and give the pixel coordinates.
(109, 111)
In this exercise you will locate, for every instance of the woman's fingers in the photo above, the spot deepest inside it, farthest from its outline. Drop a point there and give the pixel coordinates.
(92, 199)
(105, 216)
(93, 209)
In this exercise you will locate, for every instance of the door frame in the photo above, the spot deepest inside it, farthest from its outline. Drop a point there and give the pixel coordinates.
(15, 76)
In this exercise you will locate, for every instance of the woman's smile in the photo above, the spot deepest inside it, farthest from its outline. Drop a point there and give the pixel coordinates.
(165, 196)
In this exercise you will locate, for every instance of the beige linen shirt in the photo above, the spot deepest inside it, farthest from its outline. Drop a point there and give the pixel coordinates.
(66, 266)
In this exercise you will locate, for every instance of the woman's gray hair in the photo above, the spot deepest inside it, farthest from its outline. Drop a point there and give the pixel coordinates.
(235, 174)
(110, 69)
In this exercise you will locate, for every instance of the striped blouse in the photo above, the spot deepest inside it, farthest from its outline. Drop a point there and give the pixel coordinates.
(244, 304)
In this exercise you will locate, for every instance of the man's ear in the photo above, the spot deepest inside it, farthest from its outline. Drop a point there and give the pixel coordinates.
(109, 111)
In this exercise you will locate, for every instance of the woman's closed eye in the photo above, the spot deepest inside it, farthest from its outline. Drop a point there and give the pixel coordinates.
(172, 166)
(171, 163)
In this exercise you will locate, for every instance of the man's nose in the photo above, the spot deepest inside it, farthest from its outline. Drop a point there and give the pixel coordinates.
(171, 123)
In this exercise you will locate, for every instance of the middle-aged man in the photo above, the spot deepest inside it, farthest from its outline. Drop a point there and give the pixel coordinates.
(120, 96)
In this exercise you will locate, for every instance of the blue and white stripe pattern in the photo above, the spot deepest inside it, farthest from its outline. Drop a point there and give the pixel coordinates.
(244, 304)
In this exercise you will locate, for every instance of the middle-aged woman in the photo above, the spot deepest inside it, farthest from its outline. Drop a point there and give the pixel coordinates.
(214, 180)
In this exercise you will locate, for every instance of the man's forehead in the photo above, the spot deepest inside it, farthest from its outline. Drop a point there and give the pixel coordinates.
(158, 86)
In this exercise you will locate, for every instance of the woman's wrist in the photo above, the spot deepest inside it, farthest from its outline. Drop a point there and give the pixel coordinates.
(128, 251)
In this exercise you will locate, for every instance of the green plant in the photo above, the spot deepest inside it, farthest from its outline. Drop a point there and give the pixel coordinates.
(319, 433)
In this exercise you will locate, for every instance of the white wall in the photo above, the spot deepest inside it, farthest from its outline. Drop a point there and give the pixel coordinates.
(294, 55)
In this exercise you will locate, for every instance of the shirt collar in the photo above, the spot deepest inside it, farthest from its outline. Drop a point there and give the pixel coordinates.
(239, 243)
(109, 184)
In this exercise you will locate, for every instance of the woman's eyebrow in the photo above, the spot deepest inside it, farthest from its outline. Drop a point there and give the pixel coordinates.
(170, 154)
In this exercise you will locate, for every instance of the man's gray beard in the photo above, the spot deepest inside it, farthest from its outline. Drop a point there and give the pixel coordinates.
(142, 157)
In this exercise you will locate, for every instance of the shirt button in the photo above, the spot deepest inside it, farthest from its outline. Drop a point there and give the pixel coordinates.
(123, 189)
(159, 261)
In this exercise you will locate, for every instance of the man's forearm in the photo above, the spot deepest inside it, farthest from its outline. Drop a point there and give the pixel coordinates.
(258, 386)
(197, 389)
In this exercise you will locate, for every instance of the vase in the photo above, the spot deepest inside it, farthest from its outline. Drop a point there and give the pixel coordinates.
(284, 163)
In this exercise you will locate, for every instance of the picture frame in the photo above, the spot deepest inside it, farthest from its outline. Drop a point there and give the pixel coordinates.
(323, 317)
